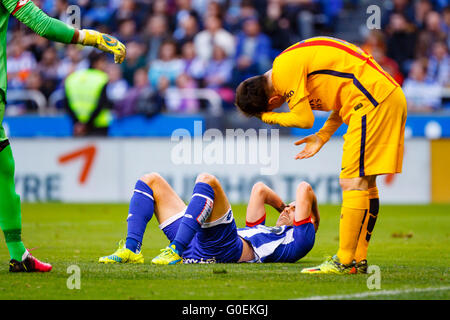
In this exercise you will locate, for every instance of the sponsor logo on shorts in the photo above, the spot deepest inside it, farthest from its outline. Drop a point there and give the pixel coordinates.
(201, 260)
(359, 106)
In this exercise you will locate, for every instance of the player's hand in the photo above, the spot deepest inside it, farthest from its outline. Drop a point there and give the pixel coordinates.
(105, 43)
(312, 145)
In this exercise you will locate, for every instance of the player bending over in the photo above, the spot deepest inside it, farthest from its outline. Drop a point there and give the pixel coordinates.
(55, 30)
(204, 231)
(330, 74)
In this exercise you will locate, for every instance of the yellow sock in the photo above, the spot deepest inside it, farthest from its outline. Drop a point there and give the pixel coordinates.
(354, 206)
(368, 225)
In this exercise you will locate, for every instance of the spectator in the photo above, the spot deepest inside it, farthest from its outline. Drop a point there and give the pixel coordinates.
(135, 60)
(402, 7)
(140, 98)
(127, 31)
(433, 32)
(331, 11)
(38, 46)
(421, 9)
(439, 64)
(422, 95)
(401, 42)
(180, 103)
(376, 46)
(86, 100)
(388, 64)
(20, 64)
(214, 34)
(97, 13)
(193, 66)
(117, 86)
(73, 61)
(34, 82)
(446, 24)
(48, 66)
(184, 11)
(218, 70)
(187, 31)
(200, 6)
(60, 10)
(156, 32)
(300, 14)
(161, 7)
(375, 39)
(48, 69)
(278, 27)
(168, 66)
(218, 74)
(214, 8)
(236, 15)
(128, 10)
(253, 51)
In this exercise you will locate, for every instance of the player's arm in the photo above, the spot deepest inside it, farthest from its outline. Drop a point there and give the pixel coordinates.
(55, 30)
(300, 116)
(261, 195)
(313, 143)
(330, 126)
(315, 215)
(306, 204)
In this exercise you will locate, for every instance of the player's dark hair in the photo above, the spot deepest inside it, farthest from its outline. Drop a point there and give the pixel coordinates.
(252, 96)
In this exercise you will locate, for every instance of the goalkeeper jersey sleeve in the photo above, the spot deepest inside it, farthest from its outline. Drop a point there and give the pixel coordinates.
(33, 17)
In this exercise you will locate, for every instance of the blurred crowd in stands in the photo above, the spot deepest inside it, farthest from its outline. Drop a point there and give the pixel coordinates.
(216, 44)
(412, 46)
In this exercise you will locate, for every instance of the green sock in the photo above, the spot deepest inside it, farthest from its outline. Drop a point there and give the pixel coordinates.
(10, 215)
(14, 244)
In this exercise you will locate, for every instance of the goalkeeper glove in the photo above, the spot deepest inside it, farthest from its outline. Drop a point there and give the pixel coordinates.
(103, 42)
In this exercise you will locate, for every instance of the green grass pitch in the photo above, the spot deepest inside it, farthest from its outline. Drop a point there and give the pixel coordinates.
(410, 245)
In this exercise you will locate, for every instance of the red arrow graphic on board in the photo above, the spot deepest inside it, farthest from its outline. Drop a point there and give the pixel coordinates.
(87, 154)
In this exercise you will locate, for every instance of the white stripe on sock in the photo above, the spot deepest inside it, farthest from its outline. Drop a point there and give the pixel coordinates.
(202, 195)
(144, 193)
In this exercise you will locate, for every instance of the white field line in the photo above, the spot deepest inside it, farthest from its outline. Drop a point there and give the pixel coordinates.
(374, 293)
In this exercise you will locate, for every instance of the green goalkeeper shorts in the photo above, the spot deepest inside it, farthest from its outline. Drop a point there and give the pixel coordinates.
(2, 113)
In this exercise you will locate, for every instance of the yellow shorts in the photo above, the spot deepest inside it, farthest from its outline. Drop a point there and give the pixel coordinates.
(374, 141)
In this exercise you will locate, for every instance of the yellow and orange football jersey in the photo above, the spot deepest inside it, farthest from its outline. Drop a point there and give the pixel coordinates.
(330, 74)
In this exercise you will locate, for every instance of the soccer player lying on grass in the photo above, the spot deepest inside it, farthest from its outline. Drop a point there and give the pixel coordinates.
(329, 74)
(204, 231)
(10, 215)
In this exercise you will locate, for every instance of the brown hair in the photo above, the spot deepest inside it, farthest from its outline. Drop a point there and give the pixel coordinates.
(252, 96)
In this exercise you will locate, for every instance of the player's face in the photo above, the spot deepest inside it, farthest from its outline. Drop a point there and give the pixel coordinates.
(286, 217)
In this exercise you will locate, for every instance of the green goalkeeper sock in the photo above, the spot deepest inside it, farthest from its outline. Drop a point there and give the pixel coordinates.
(16, 248)
(10, 215)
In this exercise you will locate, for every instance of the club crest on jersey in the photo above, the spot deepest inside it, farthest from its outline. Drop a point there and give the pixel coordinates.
(315, 103)
(19, 5)
(109, 40)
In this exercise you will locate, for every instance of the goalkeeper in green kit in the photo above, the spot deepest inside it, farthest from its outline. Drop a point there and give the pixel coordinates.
(10, 216)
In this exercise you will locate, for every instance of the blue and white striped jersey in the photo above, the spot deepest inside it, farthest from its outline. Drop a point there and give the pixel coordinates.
(279, 244)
